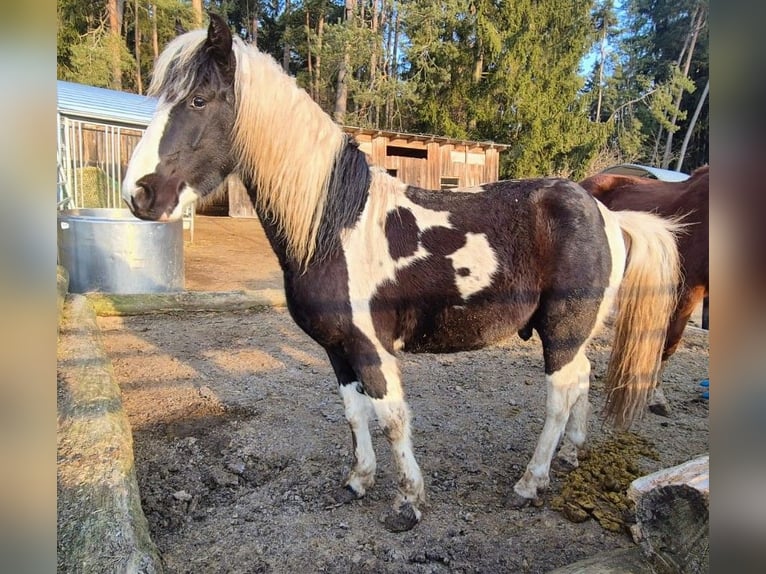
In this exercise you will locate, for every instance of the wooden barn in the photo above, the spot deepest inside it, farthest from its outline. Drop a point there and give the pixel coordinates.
(99, 128)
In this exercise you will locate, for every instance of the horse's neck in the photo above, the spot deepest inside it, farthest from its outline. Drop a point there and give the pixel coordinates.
(276, 240)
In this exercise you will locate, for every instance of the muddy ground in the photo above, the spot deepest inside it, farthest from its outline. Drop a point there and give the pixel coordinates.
(240, 441)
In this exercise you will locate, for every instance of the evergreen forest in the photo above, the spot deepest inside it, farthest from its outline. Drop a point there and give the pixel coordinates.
(572, 86)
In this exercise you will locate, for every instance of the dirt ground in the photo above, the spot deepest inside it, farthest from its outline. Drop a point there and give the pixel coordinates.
(240, 440)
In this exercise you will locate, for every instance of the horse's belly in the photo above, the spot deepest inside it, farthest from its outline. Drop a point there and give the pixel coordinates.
(460, 328)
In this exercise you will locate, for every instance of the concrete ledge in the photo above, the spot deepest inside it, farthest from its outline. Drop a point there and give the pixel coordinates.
(106, 304)
(62, 287)
(101, 526)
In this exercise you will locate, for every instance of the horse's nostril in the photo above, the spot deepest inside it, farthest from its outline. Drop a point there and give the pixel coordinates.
(144, 196)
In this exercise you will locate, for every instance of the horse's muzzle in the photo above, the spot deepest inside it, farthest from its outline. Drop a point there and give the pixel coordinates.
(155, 197)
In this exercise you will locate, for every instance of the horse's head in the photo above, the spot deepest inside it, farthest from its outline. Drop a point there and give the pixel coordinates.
(186, 151)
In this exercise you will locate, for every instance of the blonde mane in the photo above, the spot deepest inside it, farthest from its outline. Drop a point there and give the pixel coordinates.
(287, 147)
(286, 144)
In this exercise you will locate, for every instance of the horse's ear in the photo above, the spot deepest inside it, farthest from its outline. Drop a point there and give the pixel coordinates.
(219, 40)
(180, 27)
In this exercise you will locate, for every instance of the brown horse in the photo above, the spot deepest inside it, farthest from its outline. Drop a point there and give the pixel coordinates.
(687, 198)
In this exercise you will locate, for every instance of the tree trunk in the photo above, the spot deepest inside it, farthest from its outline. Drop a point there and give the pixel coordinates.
(393, 75)
(692, 123)
(341, 91)
(696, 25)
(318, 61)
(197, 10)
(375, 112)
(137, 30)
(286, 46)
(601, 73)
(309, 57)
(673, 517)
(155, 38)
(115, 9)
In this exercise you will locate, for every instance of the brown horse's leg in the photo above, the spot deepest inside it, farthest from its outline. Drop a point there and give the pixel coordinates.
(687, 302)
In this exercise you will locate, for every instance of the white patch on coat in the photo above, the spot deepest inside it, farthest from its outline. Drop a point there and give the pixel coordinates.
(185, 199)
(146, 155)
(479, 258)
(368, 269)
(619, 258)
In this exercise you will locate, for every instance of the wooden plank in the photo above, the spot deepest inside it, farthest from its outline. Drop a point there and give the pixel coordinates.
(240, 204)
(433, 166)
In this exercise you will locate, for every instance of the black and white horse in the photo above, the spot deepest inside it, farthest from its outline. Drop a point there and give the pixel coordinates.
(372, 265)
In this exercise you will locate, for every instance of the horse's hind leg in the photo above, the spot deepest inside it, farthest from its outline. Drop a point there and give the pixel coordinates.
(358, 410)
(576, 427)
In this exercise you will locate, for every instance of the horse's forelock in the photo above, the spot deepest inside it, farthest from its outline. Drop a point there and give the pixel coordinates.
(179, 68)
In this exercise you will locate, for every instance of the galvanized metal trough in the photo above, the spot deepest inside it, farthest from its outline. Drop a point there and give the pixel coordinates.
(111, 251)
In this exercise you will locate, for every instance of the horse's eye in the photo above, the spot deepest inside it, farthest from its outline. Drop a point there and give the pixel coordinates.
(198, 102)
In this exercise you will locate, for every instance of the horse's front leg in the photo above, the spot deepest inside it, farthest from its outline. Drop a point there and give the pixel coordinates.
(382, 382)
(358, 410)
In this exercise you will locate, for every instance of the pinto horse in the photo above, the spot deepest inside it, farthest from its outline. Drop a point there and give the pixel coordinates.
(373, 266)
(688, 200)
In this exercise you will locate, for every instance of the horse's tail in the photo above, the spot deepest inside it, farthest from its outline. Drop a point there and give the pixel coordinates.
(645, 301)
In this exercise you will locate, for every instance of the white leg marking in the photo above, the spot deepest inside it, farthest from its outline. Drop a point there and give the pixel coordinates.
(479, 258)
(358, 413)
(563, 391)
(394, 418)
(577, 425)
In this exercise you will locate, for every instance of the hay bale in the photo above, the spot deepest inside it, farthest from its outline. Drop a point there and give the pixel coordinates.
(101, 526)
(94, 187)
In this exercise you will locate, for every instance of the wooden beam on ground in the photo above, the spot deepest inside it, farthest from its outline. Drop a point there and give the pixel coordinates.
(101, 526)
(107, 304)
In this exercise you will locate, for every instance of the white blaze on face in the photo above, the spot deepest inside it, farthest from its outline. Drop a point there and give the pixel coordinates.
(478, 257)
(146, 156)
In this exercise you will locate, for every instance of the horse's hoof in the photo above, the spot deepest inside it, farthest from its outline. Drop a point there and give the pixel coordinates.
(402, 520)
(660, 409)
(562, 465)
(516, 501)
(345, 495)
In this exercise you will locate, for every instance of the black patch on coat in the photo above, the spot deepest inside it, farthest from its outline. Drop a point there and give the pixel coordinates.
(401, 231)
(346, 196)
(553, 266)
(318, 301)
(442, 241)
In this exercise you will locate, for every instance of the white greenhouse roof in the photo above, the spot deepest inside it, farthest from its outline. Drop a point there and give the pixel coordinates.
(647, 171)
(103, 105)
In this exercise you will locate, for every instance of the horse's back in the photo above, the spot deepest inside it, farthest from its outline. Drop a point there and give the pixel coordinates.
(668, 199)
(688, 200)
